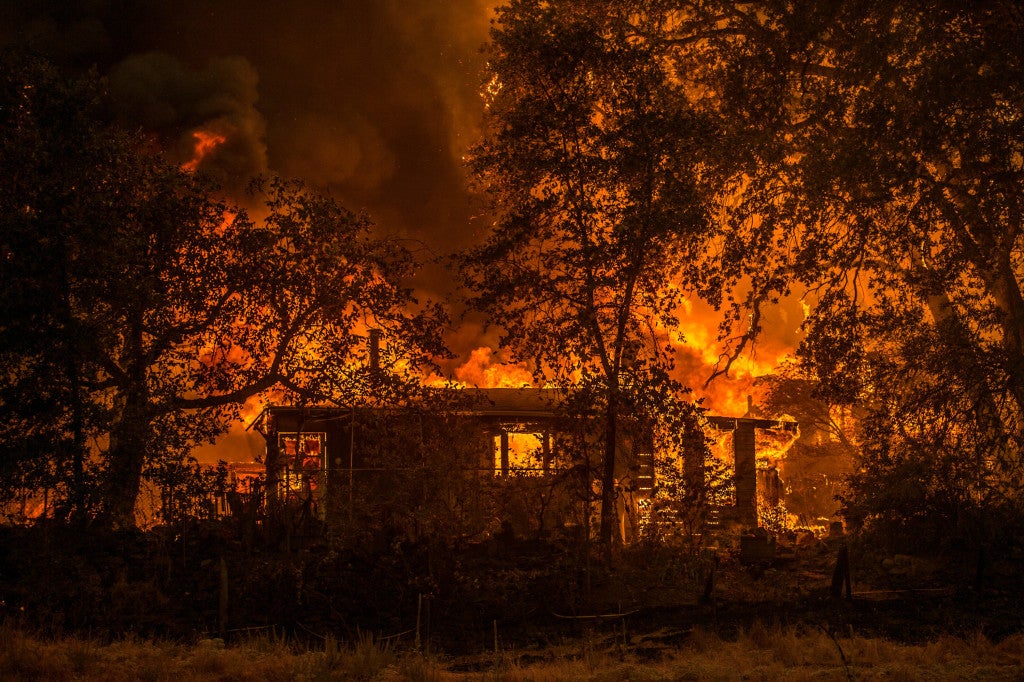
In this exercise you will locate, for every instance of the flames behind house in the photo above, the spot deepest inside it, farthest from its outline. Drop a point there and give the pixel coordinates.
(481, 462)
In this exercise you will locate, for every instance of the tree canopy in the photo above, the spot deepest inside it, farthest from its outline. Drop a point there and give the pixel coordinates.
(877, 170)
(139, 310)
(593, 164)
(866, 156)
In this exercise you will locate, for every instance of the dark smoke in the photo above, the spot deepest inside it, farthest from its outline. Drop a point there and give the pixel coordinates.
(375, 101)
(158, 92)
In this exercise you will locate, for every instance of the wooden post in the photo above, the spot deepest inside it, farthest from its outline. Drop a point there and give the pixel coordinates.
(351, 464)
(709, 584)
(426, 625)
(419, 615)
(273, 466)
(222, 620)
(746, 473)
(841, 575)
(546, 451)
(979, 570)
(504, 453)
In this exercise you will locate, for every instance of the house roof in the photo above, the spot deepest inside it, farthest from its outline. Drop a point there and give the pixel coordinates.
(529, 403)
(526, 401)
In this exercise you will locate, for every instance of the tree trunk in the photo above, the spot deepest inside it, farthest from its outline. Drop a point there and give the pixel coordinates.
(609, 511)
(1007, 294)
(74, 379)
(129, 438)
(78, 445)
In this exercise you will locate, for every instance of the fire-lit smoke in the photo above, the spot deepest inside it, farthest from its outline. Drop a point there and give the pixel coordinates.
(697, 352)
(206, 117)
(206, 143)
(726, 395)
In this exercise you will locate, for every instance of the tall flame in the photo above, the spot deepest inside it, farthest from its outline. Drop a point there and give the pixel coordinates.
(482, 371)
(698, 354)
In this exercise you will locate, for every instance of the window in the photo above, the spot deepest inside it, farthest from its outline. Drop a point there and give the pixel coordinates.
(518, 452)
(303, 460)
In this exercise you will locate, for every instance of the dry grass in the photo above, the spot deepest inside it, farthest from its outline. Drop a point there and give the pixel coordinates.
(759, 653)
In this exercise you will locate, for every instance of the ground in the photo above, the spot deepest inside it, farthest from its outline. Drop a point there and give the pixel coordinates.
(201, 604)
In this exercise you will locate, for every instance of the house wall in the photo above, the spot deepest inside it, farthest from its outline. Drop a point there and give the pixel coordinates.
(392, 468)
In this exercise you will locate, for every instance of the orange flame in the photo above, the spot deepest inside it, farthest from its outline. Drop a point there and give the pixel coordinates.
(481, 371)
(726, 395)
(698, 353)
(206, 143)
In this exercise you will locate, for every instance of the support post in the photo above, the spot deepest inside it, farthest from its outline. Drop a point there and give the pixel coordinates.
(504, 453)
(746, 473)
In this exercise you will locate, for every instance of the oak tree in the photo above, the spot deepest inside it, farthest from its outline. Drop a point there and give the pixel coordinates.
(140, 310)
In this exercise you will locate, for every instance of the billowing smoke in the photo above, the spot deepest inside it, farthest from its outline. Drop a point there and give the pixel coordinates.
(374, 101)
(182, 105)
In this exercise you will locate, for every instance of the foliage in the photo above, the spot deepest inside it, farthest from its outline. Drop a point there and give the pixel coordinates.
(819, 462)
(189, 490)
(875, 157)
(867, 156)
(793, 393)
(41, 345)
(679, 511)
(139, 311)
(592, 162)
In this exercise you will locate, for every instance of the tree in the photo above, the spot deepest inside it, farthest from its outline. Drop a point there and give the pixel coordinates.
(43, 396)
(592, 159)
(877, 160)
(140, 311)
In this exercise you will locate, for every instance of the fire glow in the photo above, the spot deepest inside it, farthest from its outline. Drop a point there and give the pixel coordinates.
(481, 371)
(206, 142)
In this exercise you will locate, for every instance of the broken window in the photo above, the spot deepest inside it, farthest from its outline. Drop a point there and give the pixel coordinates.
(521, 452)
(304, 457)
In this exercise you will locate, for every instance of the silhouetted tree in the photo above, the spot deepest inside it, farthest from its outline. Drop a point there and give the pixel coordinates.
(139, 311)
(592, 159)
(877, 158)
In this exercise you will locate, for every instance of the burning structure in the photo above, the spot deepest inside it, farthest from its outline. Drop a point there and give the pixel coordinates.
(495, 458)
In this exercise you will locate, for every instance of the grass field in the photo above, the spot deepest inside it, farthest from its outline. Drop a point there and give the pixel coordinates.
(759, 653)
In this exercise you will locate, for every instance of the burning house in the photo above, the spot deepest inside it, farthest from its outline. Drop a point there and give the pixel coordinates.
(498, 457)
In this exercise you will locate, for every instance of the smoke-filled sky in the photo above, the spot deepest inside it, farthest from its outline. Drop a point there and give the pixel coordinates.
(375, 101)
